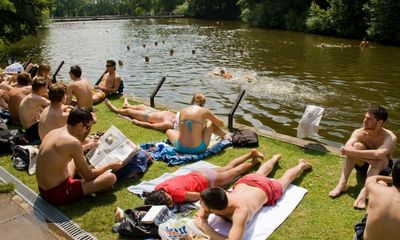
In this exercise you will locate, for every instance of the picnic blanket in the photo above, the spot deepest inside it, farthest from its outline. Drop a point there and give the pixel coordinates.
(263, 223)
(162, 151)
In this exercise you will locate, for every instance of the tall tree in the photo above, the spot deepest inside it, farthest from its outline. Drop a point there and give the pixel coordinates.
(22, 17)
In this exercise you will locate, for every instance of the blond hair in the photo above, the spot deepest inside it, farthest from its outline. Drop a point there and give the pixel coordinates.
(199, 99)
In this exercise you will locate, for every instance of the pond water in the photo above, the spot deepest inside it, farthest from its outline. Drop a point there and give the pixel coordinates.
(291, 71)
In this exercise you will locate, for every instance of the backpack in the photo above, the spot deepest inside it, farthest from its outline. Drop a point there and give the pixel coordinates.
(132, 227)
(10, 138)
(244, 138)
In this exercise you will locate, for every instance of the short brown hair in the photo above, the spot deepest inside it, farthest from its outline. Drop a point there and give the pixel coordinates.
(24, 79)
(56, 92)
(76, 71)
(39, 83)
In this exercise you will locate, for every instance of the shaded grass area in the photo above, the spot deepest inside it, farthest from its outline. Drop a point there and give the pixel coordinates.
(316, 217)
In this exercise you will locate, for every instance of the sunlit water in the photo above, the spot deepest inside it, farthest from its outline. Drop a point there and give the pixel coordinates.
(291, 71)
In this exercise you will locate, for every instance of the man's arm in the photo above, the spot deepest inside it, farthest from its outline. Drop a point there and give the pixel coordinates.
(157, 126)
(371, 154)
(192, 196)
(70, 91)
(83, 168)
(214, 119)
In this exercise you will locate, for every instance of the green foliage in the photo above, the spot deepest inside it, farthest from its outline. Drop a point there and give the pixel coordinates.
(286, 14)
(182, 9)
(214, 9)
(383, 20)
(22, 17)
(318, 20)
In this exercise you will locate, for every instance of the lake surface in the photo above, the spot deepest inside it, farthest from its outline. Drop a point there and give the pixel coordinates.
(291, 70)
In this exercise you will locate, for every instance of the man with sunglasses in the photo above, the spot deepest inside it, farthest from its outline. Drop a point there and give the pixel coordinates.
(61, 157)
(110, 81)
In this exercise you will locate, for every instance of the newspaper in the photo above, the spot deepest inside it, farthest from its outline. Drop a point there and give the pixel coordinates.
(112, 146)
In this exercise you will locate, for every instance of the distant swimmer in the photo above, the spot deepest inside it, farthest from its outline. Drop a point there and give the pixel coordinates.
(146, 59)
(241, 52)
(128, 48)
(171, 52)
(193, 51)
(364, 43)
(156, 44)
(224, 74)
(163, 42)
(120, 63)
(143, 45)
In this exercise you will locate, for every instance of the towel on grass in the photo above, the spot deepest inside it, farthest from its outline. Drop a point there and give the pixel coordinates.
(267, 219)
(263, 223)
(162, 151)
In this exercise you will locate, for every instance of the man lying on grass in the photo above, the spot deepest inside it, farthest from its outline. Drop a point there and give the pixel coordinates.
(61, 156)
(250, 193)
(187, 188)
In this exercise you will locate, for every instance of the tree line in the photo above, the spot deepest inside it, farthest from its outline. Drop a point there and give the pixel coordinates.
(378, 20)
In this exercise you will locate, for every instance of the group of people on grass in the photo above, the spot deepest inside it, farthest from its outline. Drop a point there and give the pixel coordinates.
(63, 174)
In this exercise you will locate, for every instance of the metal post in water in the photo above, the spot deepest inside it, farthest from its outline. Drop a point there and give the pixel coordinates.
(160, 83)
(27, 63)
(234, 107)
(54, 80)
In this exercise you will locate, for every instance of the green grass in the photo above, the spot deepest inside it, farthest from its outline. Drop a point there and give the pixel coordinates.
(316, 217)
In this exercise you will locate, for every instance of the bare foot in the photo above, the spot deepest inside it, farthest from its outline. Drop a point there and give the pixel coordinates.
(305, 165)
(126, 103)
(118, 215)
(337, 191)
(109, 105)
(256, 154)
(359, 203)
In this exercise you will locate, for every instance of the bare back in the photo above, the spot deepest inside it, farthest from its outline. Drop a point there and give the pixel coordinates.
(161, 116)
(51, 118)
(83, 92)
(383, 213)
(30, 108)
(55, 153)
(15, 96)
(197, 117)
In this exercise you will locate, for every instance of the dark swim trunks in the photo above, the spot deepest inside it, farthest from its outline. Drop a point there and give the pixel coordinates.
(32, 133)
(359, 228)
(385, 172)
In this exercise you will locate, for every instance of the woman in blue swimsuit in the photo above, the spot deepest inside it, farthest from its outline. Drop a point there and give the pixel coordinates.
(196, 124)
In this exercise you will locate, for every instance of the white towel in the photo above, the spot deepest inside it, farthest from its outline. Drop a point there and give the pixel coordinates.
(148, 186)
(267, 219)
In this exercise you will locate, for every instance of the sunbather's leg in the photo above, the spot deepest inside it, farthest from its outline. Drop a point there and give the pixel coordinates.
(267, 167)
(253, 154)
(104, 181)
(290, 175)
(136, 114)
(172, 135)
(140, 107)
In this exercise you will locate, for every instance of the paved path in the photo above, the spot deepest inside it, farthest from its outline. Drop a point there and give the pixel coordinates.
(18, 221)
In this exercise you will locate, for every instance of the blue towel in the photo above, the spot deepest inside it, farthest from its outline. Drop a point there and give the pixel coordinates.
(162, 151)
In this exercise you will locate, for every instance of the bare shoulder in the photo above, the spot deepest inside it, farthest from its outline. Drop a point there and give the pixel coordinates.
(390, 134)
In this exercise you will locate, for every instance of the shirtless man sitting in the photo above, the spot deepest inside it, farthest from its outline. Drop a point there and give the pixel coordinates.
(369, 148)
(250, 193)
(31, 106)
(383, 220)
(196, 125)
(17, 93)
(187, 188)
(145, 116)
(55, 115)
(61, 157)
(80, 88)
(110, 81)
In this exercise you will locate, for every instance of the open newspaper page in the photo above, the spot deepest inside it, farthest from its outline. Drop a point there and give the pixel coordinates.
(112, 146)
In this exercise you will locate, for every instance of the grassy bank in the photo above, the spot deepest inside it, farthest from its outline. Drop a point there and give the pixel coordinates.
(316, 217)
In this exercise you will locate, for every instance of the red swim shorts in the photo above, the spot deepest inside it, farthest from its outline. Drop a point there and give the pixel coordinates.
(272, 188)
(67, 191)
